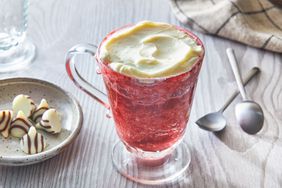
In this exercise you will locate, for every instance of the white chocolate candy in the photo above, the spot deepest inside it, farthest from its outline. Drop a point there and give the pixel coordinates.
(20, 125)
(37, 114)
(51, 122)
(32, 142)
(5, 121)
(23, 103)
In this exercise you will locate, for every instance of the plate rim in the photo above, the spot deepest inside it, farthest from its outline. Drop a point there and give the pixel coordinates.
(40, 157)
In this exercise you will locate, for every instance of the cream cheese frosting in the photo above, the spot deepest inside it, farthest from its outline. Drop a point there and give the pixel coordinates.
(150, 50)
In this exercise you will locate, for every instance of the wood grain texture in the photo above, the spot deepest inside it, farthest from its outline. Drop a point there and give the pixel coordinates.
(227, 159)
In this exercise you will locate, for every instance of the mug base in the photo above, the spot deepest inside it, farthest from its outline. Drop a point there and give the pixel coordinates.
(17, 57)
(150, 171)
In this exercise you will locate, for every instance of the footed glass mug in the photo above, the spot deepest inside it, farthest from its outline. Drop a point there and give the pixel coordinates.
(150, 116)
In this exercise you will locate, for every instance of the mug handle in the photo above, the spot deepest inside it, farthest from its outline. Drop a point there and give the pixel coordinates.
(78, 80)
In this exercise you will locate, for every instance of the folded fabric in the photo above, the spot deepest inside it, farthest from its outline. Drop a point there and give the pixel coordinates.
(256, 23)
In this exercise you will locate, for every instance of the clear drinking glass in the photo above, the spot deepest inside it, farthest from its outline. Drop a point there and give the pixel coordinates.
(150, 116)
(15, 51)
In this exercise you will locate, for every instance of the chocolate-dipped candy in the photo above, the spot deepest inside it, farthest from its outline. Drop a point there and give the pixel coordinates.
(23, 103)
(50, 122)
(41, 108)
(20, 125)
(32, 142)
(5, 121)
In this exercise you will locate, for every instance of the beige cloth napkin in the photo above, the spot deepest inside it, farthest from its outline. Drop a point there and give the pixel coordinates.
(256, 23)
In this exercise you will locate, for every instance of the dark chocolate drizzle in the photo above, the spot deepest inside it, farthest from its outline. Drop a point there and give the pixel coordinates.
(20, 123)
(36, 143)
(32, 103)
(38, 113)
(42, 143)
(38, 139)
(7, 122)
(42, 108)
(28, 144)
(16, 126)
(45, 126)
(3, 117)
(29, 124)
(37, 118)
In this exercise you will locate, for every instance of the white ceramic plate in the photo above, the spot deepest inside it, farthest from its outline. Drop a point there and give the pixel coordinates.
(67, 106)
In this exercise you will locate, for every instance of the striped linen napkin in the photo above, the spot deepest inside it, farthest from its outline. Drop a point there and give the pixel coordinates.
(256, 23)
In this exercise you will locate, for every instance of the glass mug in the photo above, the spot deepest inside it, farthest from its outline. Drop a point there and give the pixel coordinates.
(15, 51)
(150, 116)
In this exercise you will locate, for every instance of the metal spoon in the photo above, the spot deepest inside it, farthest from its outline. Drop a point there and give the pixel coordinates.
(249, 114)
(215, 121)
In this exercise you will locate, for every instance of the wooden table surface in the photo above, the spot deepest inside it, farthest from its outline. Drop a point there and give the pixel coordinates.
(227, 159)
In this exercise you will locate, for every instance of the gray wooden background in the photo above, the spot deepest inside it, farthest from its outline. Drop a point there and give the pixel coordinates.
(227, 159)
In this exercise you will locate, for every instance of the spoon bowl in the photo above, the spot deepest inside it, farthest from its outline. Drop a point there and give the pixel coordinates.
(212, 122)
(249, 116)
(215, 121)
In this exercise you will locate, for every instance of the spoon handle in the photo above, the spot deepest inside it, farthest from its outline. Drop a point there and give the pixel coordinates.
(251, 74)
(236, 71)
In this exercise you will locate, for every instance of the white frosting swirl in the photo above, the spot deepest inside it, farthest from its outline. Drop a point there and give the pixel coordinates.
(150, 49)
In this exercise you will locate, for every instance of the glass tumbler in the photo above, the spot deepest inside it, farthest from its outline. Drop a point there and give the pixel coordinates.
(15, 51)
(150, 116)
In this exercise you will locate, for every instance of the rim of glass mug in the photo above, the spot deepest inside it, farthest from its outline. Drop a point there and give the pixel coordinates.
(188, 32)
(94, 51)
